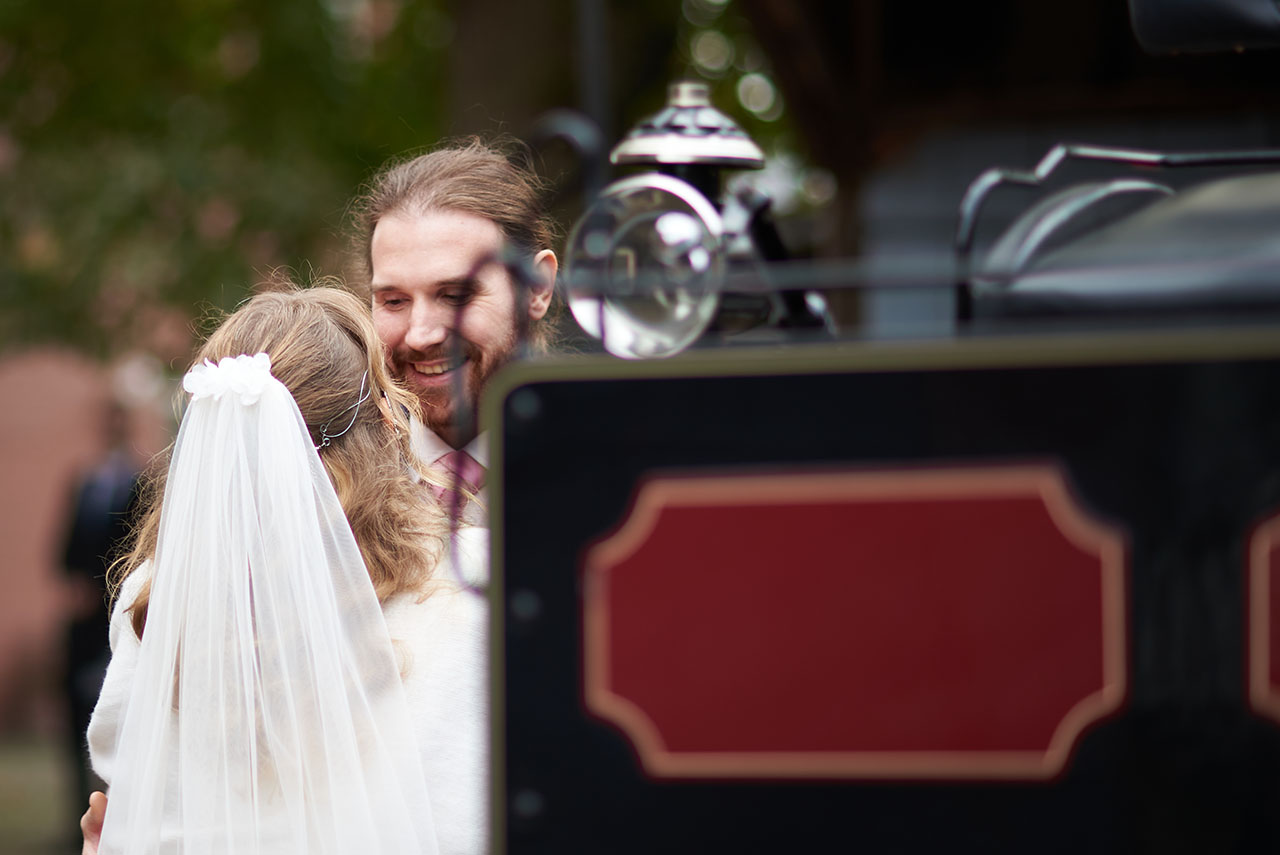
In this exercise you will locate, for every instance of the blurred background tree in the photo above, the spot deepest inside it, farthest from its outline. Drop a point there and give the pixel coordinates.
(157, 153)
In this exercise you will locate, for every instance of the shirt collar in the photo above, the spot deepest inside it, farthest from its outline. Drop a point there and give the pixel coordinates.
(428, 445)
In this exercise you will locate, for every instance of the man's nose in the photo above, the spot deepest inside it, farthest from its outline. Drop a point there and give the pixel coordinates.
(428, 326)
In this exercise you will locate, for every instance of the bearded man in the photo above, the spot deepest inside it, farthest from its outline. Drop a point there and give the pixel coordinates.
(438, 238)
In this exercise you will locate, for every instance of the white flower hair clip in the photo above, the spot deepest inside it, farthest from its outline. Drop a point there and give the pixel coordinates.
(244, 376)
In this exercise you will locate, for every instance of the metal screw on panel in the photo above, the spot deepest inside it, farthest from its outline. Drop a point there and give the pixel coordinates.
(527, 804)
(525, 405)
(525, 605)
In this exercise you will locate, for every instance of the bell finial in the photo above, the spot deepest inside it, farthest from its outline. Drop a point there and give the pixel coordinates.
(688, 130)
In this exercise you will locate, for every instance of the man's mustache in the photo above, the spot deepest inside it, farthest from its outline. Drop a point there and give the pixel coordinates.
(446, 351)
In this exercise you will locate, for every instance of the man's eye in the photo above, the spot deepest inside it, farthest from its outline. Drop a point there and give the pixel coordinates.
(456, 298)
(392, 302)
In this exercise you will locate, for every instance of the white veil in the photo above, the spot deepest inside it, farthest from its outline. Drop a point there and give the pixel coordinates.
(267, 714)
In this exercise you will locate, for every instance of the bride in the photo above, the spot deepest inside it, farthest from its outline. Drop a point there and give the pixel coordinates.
(296, 666)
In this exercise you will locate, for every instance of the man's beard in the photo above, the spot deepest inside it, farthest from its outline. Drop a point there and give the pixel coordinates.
(449, 411)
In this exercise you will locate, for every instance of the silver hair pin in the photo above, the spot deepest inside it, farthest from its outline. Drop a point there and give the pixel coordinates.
(325, 437)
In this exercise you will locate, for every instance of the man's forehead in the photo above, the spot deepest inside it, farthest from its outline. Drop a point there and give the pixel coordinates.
(439, 246)
(438, 226)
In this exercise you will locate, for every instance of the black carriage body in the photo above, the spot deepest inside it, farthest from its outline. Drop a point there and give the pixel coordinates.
(1167, 441)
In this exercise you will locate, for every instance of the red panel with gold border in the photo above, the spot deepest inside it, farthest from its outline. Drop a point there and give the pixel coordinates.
(964, 622)
(1264, 619)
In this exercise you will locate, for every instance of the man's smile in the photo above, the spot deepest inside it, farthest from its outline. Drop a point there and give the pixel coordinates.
(439, 366)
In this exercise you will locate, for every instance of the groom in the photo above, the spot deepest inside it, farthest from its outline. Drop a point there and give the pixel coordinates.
(433, 233)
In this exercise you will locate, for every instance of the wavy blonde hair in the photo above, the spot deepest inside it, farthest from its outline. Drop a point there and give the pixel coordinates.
(321, 342)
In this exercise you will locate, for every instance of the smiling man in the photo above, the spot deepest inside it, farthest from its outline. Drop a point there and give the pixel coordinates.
(433, 232)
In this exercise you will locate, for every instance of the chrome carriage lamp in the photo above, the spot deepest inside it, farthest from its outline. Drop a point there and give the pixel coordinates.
(646, 264)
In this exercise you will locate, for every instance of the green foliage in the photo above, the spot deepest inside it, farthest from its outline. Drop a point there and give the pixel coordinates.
(170, 152)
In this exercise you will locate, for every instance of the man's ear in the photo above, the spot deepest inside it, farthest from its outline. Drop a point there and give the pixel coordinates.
(545, 285)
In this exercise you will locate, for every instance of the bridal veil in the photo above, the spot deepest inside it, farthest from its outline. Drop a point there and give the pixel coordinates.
(267, 714)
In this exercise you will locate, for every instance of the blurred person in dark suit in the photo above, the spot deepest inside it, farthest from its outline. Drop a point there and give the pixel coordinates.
(99, 518)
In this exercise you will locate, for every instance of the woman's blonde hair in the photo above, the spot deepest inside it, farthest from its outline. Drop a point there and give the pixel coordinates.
(321, 342)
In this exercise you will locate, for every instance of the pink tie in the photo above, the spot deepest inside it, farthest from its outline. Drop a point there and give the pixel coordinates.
(460, 467)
